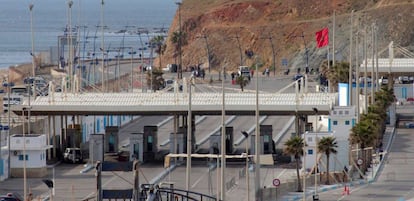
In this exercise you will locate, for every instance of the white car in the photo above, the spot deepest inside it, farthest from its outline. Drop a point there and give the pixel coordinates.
(73, 155)
(383, 80)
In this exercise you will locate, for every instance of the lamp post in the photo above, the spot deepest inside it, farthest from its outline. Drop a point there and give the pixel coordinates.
(24, 152)
(315, 194)
(142, 61)
(240, 50)
(180, 68)
(102, 47)
(223, 142)
(208, 53)
(257, 140)
(132, 52)
(32, 36)
(189, 137)
(246, 135)
(8, 85)
(274, 56)
(70, 3)
(350, 61)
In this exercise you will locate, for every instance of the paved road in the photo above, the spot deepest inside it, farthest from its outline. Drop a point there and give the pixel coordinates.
(396, 179)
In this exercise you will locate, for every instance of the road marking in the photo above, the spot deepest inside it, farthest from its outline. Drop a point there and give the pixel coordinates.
(354, 189)
(281, 173)
(199, 179)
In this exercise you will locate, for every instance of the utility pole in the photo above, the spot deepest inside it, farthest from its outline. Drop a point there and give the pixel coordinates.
(180, 61)
(258, 194)
(274, 55)
(350, 61)
(240, 50)
(208, 53)
(223, 142)
(102, 47)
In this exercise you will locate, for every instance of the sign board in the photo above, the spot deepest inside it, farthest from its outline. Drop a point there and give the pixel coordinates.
(284, 62)
(276, 182)
(360, 161)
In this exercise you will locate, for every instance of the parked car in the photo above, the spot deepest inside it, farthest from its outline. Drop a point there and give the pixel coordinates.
(409, 125)
(11, 197)
(297, 77)
(403, 79)
(73, 155)
(383, 80)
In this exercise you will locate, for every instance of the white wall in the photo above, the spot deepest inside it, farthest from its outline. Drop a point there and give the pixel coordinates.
(36, 159)
(89, 122)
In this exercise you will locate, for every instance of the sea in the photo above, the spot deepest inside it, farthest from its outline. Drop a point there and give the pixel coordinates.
(127, 23)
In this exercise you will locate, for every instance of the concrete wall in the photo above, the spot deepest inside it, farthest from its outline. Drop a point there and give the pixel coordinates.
(30, 172)
(271, 194)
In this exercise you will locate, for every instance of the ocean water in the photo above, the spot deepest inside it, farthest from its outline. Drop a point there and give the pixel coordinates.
(51, 17)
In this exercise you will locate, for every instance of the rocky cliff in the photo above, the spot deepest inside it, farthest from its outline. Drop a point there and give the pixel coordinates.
(229, 29)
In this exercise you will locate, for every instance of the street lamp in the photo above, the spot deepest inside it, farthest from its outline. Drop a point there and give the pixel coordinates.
(240, 50)
(246, 135)
(208, 52)
(315, 194)
(102, 46)
(32, 36)
(350, 61)
(257, 140)
(274, 56)
(180, 68)
(8, 85)
(189, 136)
(132, 52)
(223, 141)
(70, 3)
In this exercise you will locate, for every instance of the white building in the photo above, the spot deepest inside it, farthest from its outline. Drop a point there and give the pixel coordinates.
(32, 148)
(338, 124)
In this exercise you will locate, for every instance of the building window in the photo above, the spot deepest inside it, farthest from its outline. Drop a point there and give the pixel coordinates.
(340, 112)
(335, 123)
(21, 157)
(310, 139)
(346, 112)
(310, 151)
(347, 123)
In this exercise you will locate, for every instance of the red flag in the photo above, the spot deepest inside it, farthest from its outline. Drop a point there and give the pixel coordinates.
(322, 38)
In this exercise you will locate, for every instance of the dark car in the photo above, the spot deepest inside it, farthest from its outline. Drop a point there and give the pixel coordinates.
(297, 77)
(11, 197)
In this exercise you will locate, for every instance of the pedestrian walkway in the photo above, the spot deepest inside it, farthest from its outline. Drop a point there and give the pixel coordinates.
(371, 175)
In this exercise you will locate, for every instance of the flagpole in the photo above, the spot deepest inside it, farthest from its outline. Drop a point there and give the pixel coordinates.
(350, 63)
(333, 40)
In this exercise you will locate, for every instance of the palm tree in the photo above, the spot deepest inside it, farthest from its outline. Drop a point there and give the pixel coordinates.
(160, 46)
(175, 39)
(327, 145)
(338, 73)
(294, 147)
(155, 79)
(242, 81)
(364, 134)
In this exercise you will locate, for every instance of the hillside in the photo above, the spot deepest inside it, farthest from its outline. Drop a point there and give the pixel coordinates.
(224, 24)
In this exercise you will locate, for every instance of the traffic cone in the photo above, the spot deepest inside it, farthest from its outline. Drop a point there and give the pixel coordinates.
(346, 190)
